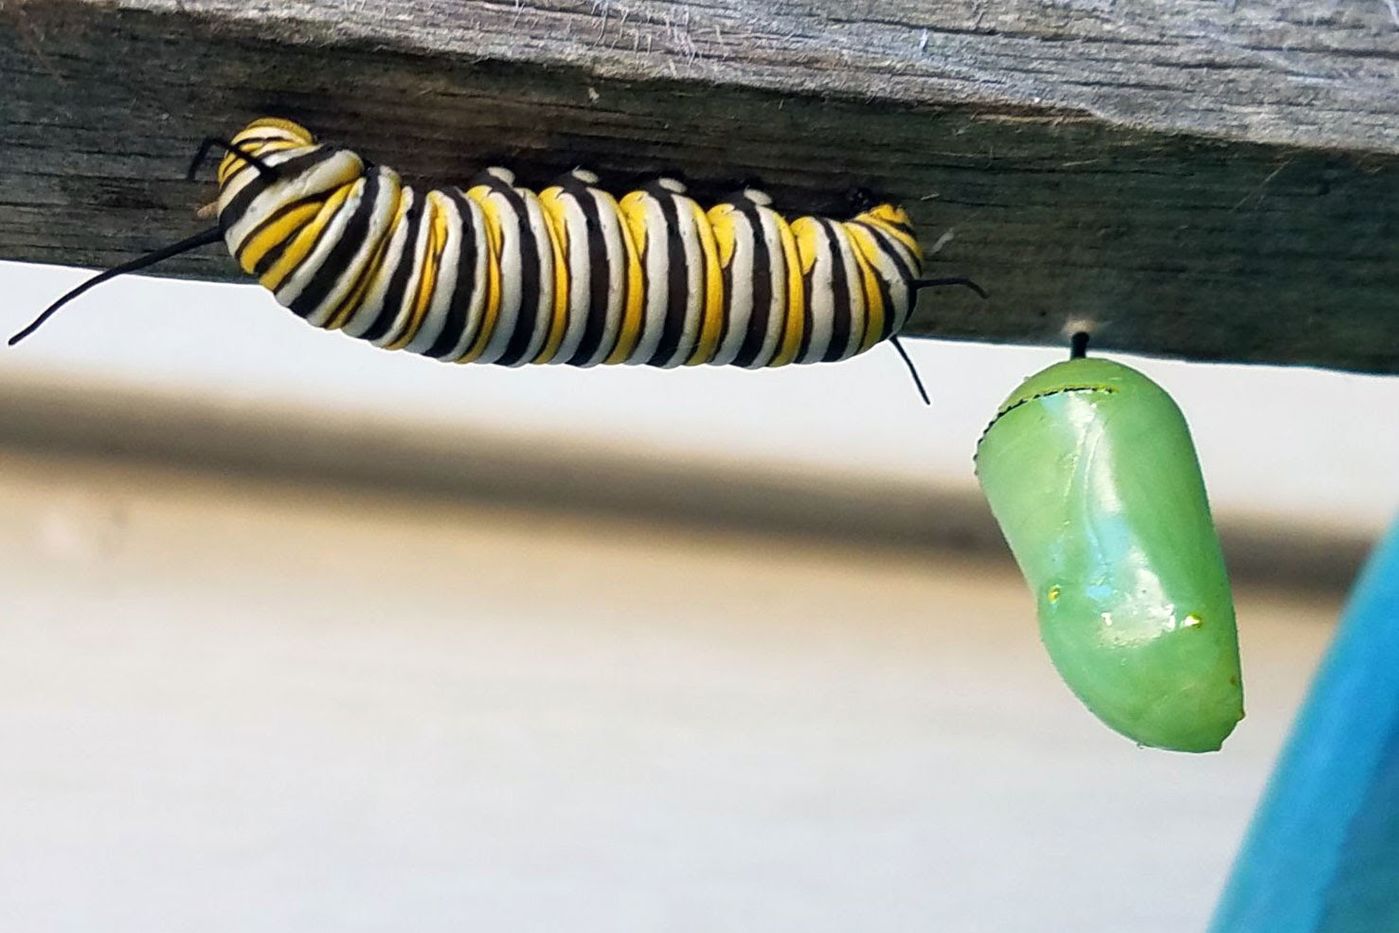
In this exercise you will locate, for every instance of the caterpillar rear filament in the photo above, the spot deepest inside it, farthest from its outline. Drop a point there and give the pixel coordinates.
(494, 273)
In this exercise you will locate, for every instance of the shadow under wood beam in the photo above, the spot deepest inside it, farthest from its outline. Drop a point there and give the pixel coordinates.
(1202, 182)
(536, 472)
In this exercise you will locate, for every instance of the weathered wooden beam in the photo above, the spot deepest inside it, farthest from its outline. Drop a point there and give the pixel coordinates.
(1202, 181)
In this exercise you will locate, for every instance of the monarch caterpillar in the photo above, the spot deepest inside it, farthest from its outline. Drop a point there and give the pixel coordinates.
(1091, 474)
(495, 273)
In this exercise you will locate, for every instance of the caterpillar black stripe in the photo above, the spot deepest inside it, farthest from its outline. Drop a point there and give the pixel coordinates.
(494, 273)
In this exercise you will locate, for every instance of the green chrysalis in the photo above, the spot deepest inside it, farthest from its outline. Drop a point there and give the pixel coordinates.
(1090, 472)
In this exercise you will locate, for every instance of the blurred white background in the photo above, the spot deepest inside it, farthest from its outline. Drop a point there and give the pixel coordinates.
(1305, 444)
(233, 700)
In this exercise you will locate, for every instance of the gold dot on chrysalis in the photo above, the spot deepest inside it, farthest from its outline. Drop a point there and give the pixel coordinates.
(1053, 594)
(1192, 620)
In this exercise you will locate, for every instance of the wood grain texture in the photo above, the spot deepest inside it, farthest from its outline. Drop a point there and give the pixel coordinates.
(1199, 181)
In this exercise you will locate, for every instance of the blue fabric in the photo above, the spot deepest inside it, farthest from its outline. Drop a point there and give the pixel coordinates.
(1322, 855)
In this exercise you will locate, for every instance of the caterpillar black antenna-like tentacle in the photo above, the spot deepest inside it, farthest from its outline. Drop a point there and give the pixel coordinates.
(962, 281)
(912, 370)
(211, 142)
(206, 238)
(1078, 345)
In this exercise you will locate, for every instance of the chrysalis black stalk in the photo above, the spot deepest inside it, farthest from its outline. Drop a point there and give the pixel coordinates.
(1078, 345)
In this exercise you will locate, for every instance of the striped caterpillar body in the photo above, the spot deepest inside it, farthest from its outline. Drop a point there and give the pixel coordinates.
(494, 273)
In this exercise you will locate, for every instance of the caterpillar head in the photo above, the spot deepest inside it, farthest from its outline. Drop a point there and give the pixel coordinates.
(277, 180)
(261, 138)
(257, 178)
